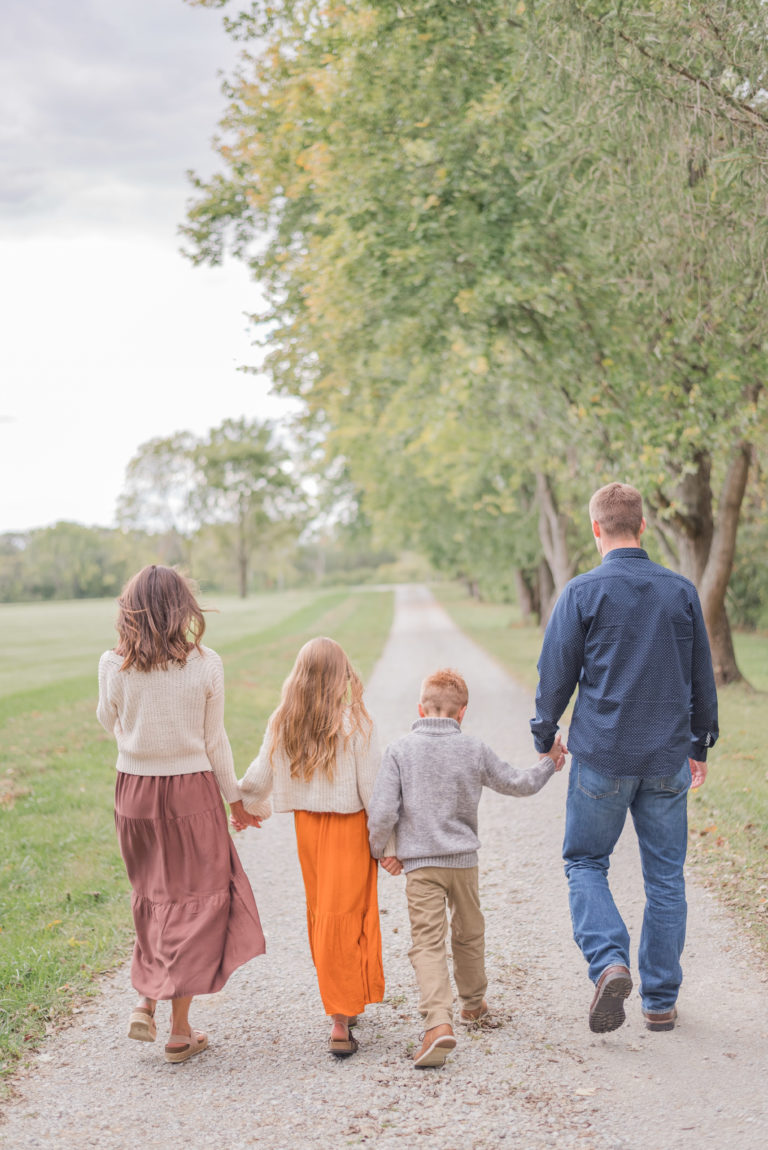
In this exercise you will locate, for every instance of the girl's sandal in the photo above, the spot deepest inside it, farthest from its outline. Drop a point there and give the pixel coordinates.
(180, 1047)
(141, 1024)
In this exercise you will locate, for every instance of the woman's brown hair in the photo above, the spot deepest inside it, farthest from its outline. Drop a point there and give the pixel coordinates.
(322, 703)
(159, 621)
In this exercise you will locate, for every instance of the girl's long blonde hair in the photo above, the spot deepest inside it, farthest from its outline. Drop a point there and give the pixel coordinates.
(321, 707)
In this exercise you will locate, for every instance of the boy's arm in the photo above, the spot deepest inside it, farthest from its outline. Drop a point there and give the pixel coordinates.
(384, 808)
(509, 780)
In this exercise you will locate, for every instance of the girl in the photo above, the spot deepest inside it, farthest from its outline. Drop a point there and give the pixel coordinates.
(319, 756)
(161, 693)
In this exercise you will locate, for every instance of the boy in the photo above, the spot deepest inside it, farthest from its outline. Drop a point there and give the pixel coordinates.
(427, 791)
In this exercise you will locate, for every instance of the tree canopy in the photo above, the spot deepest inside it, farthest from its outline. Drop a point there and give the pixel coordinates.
(512, 251)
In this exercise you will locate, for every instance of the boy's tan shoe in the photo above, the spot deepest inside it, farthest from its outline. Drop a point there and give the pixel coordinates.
(470, 1017)
(437, 1044)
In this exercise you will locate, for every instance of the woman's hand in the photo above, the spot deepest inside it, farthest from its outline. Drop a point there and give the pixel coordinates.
(239, 817)
(393, 865)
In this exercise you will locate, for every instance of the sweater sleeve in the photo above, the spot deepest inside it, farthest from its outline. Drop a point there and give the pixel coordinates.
(509, 780)
(106, 711)
(384, 808)
(367, 754)
(256, 784)
(216, 742)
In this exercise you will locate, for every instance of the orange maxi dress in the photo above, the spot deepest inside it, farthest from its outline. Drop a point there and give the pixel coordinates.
(342, 908)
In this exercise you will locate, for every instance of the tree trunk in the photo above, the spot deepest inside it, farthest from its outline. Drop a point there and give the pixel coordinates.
(717, 573)
(525, 596)
(242, 556)
(547, 592)
(696, 523)
(706, 548)
(554, 543)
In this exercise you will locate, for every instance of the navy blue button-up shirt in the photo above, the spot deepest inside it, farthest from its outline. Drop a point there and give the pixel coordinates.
(631, 634)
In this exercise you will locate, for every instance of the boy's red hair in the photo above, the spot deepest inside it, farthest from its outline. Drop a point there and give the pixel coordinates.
(444, 693)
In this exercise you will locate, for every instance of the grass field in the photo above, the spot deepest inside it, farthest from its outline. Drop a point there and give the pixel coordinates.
(728, 816)
(64, 900)
(47, 642)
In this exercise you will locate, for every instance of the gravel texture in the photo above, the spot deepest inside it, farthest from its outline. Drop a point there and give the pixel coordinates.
(534, 1076)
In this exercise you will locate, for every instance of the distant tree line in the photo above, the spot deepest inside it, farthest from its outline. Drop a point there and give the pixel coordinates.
(231, 507)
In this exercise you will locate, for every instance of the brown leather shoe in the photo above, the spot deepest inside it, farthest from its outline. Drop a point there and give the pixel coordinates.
(470, 1017)
(607, 1009)
(665, 1021)
(437, 1043)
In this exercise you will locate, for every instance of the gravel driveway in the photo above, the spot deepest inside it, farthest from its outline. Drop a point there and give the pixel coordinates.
(535, 1077)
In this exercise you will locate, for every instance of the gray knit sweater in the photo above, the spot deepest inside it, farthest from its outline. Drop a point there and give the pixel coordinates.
(428, 790)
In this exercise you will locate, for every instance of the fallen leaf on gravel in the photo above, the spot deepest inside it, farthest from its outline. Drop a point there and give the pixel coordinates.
(586, 1091)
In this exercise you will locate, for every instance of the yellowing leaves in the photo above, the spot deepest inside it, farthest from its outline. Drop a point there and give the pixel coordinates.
(464, 300)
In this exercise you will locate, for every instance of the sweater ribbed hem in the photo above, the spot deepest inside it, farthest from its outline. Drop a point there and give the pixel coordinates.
(456, 862)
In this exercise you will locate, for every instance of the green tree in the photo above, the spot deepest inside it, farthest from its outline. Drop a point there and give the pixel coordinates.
(507, 249)
(247, 489)
(158, 497)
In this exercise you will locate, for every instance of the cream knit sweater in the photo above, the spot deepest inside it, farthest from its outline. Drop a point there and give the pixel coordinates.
(169, 722)
(348, 791)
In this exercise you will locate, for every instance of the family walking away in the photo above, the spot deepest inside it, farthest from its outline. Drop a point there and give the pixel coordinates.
(161, 693)
(427, 792)
(631, 635)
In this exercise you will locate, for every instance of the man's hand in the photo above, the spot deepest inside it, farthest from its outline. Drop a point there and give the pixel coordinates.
(556, 753)
(698, 773)
(392, 865)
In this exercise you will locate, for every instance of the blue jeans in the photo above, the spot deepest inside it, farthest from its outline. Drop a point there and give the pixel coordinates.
(596, 811)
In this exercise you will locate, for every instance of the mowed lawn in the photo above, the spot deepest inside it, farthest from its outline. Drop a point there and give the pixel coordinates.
(64, 899)
(728, 816)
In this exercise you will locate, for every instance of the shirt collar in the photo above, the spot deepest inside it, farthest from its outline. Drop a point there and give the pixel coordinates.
(626, 553)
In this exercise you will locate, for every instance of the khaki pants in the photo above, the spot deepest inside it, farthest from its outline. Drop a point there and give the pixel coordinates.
(428, 890)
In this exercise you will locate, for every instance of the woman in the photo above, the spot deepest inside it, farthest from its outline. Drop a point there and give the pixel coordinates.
(319, 756)
(161, 693)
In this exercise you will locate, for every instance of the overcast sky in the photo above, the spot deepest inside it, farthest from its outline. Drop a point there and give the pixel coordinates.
(110, 337)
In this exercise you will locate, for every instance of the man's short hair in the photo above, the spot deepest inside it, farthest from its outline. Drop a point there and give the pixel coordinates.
(444, 693)
(618, 508)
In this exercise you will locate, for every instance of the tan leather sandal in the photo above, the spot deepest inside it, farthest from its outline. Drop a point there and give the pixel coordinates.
(180, 1047)
(141, 1024)
(343, 1047)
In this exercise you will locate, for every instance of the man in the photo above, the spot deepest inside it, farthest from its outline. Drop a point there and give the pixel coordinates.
(631, 634)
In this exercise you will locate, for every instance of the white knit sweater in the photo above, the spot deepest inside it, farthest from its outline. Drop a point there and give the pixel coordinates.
(169, 722)
(348, 791)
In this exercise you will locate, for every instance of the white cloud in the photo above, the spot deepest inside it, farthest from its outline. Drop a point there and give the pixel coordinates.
(112, 338)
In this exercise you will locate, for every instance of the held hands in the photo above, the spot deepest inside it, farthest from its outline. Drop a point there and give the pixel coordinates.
(556, 753)
(698, 773)
(239, 817)
(392, 865)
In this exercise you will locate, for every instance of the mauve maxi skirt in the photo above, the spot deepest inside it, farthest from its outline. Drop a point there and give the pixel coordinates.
(193, 907)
